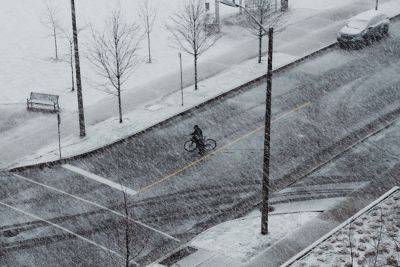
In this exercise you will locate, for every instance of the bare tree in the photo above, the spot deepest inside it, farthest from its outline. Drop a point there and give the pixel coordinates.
(132, 247)
(114, 53)
(147, 14)
(264, 12)
(52, 22)
(377, 238)
(69, 58)
(188, 31)
(130, 240)
(70, 55)
(350, 245)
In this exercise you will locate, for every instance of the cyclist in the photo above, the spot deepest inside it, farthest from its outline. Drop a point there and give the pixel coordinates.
(197, 137)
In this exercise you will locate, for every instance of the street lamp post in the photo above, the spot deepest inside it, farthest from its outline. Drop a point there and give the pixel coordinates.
(82, 131)
(181, 75)
(267, 128)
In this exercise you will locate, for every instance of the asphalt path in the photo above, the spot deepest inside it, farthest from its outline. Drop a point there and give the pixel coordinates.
(321, 108)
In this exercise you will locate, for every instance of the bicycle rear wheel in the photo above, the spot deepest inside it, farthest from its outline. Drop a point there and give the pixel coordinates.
(190, 146)
(210, 144)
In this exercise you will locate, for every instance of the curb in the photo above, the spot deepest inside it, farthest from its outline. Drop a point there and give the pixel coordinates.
(173, 116)
(176, 115)
(295, 246)
(340, 226)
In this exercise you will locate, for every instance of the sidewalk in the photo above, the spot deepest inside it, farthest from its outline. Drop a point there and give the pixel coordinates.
(308, 30)
(308, 221)
(293, 244)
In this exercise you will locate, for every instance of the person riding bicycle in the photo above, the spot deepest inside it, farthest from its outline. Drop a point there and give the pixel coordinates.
(198, 137)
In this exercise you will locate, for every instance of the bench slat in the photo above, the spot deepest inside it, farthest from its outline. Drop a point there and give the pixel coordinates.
(41, 96)
(43, 99)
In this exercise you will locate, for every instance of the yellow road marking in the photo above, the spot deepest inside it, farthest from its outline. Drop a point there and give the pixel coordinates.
(222, 148)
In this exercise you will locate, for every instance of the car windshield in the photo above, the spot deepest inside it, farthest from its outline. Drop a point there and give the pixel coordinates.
(357, 24)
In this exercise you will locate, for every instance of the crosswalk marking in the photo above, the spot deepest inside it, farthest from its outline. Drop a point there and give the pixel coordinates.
(100, 179)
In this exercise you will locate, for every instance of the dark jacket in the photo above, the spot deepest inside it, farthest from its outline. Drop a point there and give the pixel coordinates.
(197, 134)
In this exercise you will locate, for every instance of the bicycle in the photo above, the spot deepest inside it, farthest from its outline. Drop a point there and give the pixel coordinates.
(209, 144)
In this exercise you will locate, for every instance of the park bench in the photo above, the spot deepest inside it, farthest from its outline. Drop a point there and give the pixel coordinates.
(42, 100)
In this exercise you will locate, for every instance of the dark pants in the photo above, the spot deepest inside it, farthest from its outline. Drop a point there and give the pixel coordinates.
(199, 143)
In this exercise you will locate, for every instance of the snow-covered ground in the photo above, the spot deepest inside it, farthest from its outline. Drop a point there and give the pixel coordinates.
(238, 241)
(241, 240)
(150, 96)
(370, 238)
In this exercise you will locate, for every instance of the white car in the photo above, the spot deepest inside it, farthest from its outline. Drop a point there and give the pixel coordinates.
(363, 28)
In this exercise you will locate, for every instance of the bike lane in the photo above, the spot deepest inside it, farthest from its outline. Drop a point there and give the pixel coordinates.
(322, 109)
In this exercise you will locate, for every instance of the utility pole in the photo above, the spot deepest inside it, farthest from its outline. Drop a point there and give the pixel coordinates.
(268, 113)
(82, 131)
(181, 74)
(376, 5)
(267, 137)
(59, 132)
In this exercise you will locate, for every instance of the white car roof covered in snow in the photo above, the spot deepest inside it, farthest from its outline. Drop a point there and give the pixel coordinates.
(368, 15)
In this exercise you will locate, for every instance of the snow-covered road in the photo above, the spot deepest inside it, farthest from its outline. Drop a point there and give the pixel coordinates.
(320, 108)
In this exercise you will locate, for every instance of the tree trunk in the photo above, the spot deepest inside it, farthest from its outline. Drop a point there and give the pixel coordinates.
(260, 37)
(55, 43)
(127, 241)
(217, 18)
(195, 71)
(119, 101)
(127, 232)
(148, 46)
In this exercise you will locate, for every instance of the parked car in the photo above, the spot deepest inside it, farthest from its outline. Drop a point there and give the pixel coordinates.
(363, 28)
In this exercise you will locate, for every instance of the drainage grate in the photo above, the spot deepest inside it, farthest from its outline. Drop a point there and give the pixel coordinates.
(177, 256)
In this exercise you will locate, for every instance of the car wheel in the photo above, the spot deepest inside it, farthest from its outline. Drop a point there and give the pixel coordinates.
(386, 30)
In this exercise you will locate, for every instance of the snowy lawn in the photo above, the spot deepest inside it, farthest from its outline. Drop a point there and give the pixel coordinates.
(370, 238)
(240, 239)
(150, 96)
(147, 115)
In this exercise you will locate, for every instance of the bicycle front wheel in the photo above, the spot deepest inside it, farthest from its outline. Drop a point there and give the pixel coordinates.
(190, 146)
(210, 144)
